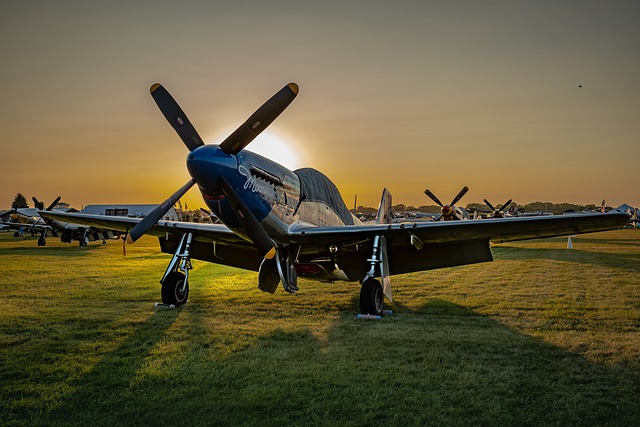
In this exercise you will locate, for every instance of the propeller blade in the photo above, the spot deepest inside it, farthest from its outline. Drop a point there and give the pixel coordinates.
(52, 205)
(259, 120)
(506, 205)
(148, 221)
(37, 204)
(460, 194)
(433, 197)
(176, 117)
(486, 202)
(268, 276)
(248, 221)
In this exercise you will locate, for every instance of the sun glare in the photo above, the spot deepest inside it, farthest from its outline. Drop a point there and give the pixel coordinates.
(276, 148)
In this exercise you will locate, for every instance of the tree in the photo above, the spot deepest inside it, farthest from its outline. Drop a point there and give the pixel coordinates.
(19, 202)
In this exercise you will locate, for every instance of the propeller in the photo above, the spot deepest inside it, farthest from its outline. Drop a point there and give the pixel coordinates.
(259, 120)
(38, 204)
(233, 144)
(152, 217)
(447, 210)
(499, 212)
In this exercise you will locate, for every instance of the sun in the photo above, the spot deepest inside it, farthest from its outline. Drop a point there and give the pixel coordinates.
(276, 148)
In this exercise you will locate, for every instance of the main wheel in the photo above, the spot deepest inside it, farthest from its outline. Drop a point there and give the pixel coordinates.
(371, 297)
(42, 241)
(172, 289)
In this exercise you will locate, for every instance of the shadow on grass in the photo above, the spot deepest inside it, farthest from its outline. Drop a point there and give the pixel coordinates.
(94, 394)
(439, 364)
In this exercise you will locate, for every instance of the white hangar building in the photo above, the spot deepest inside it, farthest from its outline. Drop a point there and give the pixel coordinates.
(137, 211)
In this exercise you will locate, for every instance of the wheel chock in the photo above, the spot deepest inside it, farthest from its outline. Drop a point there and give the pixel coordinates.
(374, 316)
(161, 305)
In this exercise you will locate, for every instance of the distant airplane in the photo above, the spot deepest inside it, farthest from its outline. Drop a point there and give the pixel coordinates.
(69, 231)
(450, 212)
(25, 219)
(498, 212)
(66, 231)
(286, 224)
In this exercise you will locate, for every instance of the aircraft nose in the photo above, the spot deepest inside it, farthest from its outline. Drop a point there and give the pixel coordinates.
(207, 164)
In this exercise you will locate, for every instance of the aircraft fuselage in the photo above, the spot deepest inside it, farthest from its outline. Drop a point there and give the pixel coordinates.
(277, 196)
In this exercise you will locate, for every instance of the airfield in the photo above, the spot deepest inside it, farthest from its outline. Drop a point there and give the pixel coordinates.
(544, 335)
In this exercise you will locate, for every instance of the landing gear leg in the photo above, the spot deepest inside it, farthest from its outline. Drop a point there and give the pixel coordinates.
(372, 292)
(42, 240)
(84, 240)
(175, 282)
(287, 272)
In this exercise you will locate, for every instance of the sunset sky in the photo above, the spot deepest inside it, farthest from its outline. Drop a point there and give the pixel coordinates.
(406, 95)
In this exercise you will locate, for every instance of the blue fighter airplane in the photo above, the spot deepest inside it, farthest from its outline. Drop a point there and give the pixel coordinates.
(284, 224)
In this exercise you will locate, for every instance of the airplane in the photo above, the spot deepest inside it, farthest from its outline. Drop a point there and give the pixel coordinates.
(28, 220)
(287, 224)
(450, 212)
(66, 231)
(498, 212)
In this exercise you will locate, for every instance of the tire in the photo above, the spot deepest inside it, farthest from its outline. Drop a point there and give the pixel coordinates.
(171, 289)
(371, 297)
(42, 241)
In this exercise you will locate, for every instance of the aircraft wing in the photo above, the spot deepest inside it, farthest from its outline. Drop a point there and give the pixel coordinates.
(205, 232)
(496, 230)
(427, 245)
(27, 227)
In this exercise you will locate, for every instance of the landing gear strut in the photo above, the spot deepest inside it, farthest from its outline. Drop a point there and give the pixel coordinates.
(84, 240)
(175, 282)
(42, 240)
(372, 293)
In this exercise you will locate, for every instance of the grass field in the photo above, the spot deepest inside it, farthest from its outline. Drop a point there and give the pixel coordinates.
(544, 335)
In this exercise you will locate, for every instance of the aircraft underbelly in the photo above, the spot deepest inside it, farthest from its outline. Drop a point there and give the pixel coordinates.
(247, 257)
(411, 260)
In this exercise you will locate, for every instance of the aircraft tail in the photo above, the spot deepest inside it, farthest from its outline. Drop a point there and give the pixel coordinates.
(384, 216)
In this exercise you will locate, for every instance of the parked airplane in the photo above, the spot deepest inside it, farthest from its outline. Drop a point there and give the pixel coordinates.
(498, 212)
(66, 231)
(286, 224)
(450, 212)
(27, 220)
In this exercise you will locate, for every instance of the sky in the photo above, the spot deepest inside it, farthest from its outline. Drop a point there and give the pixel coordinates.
(523, 100)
